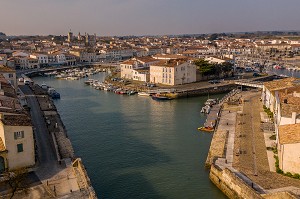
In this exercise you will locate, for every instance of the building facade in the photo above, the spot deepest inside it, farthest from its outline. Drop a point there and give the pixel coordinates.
(173, 72)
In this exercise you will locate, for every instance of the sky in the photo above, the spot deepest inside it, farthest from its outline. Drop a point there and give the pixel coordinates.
(146, 17)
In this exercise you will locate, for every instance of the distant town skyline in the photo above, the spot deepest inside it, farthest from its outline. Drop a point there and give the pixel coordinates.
(141, 17)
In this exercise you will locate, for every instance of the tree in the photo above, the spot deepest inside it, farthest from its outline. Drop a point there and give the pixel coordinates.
(16, 180)
(227, 68)
(205, 67)
(213, 37)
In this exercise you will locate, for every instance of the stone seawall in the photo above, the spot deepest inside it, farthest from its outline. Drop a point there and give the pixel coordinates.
(230, 184)
(207, 90)
(234, 187)
(232, 181)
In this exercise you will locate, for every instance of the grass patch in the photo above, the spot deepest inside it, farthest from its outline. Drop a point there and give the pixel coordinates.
(268, 111)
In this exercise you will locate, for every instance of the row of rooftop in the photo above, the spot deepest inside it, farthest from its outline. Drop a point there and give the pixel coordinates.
(282, 97)
(33, 52)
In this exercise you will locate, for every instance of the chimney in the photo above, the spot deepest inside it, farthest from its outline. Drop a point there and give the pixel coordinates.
(286, 91)
(294, 114)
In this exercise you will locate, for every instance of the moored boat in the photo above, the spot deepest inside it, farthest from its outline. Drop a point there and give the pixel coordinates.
(159, 97)
(143, 94)
(206, 129)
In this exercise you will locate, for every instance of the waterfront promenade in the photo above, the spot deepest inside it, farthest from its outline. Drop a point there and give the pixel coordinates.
(239, 151)
(58, 176)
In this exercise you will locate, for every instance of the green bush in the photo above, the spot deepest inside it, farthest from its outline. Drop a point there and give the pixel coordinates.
(288, 174)
(270, 148)
(296, 176)
(268, 111)
(278, 170)
(272, 137)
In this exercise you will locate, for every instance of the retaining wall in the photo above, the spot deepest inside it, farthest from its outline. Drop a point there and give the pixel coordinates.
(207, 90)
(230, 184)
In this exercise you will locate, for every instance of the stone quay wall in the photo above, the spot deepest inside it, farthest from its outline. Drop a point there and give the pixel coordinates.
(207, 90)
(230, 184)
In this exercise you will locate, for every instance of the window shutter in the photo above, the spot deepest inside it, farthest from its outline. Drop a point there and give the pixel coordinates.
(15, 135)
(22, 132)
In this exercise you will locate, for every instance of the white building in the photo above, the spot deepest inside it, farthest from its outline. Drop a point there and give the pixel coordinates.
(10, 75)
(42, 58)
(173, 72)
(269, 88)
(16, 142)
(289, 148)
(137, 68)
(218, 60)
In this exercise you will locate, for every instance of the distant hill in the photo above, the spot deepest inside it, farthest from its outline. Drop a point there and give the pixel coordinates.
(2, 34)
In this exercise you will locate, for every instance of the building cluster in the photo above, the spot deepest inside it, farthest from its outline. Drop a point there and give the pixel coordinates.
(43, 51)
(162, 69)
(17, 145)
(282, 97)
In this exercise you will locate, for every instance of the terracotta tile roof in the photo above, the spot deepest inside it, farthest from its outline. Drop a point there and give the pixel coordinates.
(2, 147)
(190, 52)
(146, 59)
(128, 62)
(6, 69)
(289, 134)
(160, 56)
(170, 63)
(281, 84)
(16, 120)
(288, 109)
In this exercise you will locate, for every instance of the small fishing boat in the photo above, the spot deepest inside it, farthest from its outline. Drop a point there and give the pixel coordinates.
(205, 109)
(211, 102)
(143, 94)
(206, 129)
(131, 92)
(89, 82)
(159, 97)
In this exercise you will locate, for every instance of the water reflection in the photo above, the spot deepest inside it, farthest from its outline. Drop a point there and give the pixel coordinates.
(135, 147)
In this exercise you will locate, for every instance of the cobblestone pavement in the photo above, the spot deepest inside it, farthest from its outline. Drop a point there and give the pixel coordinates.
(252, 159)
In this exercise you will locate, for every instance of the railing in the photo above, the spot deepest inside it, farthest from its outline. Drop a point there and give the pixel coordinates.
(230, 94)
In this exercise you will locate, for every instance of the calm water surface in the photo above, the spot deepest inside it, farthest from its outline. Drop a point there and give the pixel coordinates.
(134, 147)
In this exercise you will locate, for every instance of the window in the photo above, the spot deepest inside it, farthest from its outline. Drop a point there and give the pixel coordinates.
(20, 148)
(19, 135)
(10, 75)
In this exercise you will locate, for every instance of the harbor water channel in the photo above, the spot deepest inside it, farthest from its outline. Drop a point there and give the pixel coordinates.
(135, 147)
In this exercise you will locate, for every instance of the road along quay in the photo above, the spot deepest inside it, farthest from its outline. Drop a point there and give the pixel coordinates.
(61, 173)
(237, 157)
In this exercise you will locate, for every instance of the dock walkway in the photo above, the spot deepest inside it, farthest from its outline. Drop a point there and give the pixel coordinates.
(212, 116)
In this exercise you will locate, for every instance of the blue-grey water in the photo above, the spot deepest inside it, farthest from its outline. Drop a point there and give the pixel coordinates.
(290, 73)
(134, 147)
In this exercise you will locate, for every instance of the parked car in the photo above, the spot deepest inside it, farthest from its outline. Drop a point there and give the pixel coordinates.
(214, 81)
(256, 75)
